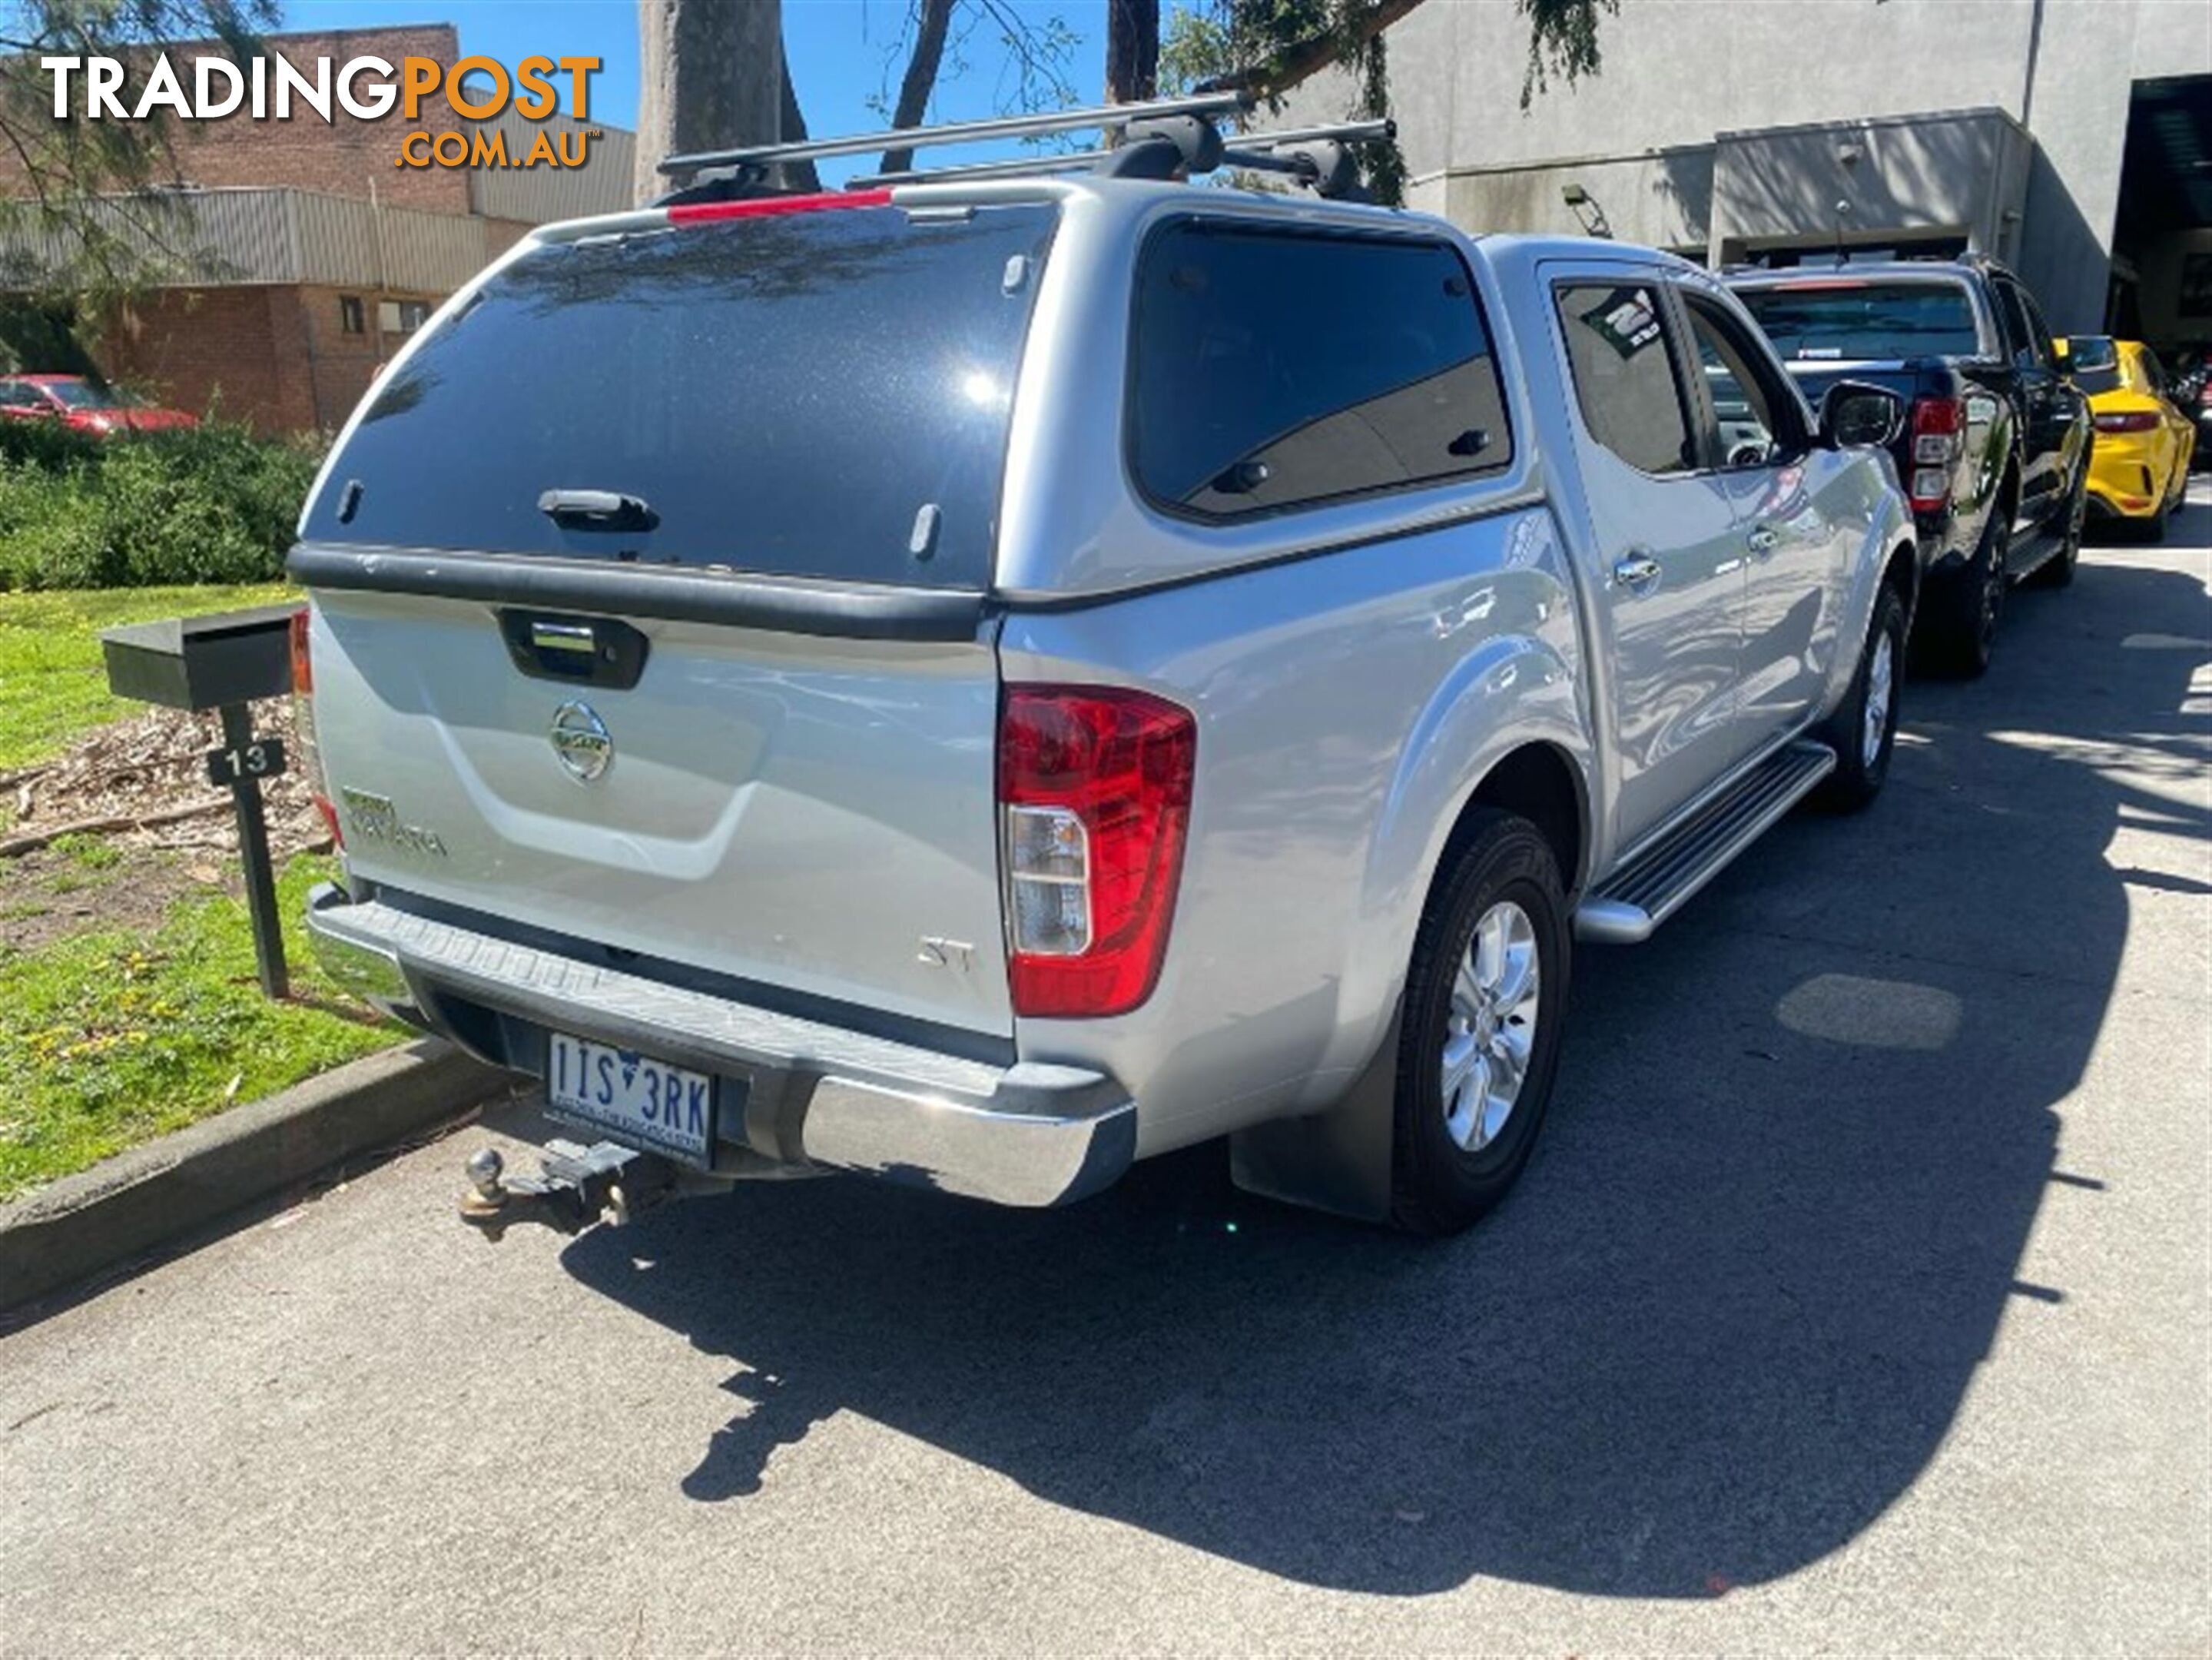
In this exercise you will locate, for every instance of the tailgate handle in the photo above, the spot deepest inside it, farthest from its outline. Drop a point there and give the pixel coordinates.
(583, 651)
(576, 509)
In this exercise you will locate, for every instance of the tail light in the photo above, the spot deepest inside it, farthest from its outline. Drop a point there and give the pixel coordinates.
(2128, 421)
(1094, 802)
(310, 760)
(1938, 435)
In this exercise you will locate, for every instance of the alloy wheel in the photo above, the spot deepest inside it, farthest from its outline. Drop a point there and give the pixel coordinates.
(1491, 1030)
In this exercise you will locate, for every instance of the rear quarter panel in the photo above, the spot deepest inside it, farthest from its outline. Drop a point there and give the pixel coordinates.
(1347, 704)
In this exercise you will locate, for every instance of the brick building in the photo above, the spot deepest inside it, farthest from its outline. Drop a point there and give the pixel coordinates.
(309, 254)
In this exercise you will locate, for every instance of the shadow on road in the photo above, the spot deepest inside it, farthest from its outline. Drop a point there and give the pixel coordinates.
(1726, 1320)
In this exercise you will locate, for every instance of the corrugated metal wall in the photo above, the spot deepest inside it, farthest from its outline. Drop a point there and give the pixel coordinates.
(542, 194)
(240, 236)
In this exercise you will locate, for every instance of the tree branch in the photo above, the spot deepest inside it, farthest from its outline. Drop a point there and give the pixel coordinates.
(920, 77)
(1306, 59)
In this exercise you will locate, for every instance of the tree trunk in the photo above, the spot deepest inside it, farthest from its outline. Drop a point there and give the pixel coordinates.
(1132, 51)
(710, 76)
(920, 77)
(797, 175)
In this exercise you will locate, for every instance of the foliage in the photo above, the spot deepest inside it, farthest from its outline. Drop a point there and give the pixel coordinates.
(1270, 47)
(109, 1038)
(88, 193)
(211, 503)
(1562, 41)
(53, 681)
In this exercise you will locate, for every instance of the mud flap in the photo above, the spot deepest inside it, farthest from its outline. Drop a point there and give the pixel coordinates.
(1336, 1160)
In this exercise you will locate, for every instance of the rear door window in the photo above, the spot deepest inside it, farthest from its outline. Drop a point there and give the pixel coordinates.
(1842, 319)
(1273, 370)
(818, 394)
(1625, 380)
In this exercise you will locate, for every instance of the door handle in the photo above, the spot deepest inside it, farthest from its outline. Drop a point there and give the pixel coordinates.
(1763, 540)
(1638, 572)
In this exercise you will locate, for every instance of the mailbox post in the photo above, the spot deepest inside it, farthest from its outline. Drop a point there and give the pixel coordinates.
(224, 661)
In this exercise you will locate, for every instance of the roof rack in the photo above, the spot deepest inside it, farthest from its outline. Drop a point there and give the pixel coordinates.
(1159, 139)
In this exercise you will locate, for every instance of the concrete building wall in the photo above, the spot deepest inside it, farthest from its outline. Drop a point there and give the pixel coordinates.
(1679, 74)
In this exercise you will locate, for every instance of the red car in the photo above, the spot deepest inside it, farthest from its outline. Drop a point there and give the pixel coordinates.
(84, 405)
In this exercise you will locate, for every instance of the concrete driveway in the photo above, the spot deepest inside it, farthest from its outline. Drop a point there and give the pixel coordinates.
(1860, 1297)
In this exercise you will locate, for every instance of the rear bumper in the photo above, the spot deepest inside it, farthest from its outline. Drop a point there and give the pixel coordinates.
(808, 1092)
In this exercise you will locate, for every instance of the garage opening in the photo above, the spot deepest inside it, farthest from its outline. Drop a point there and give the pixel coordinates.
(2162, 281)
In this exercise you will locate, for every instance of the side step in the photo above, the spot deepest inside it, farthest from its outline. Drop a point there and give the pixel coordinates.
(1642, 894)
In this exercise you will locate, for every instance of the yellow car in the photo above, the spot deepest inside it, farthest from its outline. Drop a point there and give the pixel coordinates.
(2139, 469)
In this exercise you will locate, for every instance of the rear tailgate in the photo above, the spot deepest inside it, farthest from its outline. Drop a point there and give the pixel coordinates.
(648, 601)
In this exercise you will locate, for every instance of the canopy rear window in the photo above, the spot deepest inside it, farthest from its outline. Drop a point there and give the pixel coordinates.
(805, 394)
(1863, 321)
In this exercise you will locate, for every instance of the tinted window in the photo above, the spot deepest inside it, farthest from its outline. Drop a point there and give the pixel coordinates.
(1624, 376)
(1273, 370)
(785, 394)
(1753, 432)
(88, 395)
(1839, 318)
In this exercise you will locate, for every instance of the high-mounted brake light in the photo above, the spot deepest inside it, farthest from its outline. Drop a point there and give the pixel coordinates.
(764, 207)
(1939, 426)
(308, 757)
(2128, 421)
(1094, 802)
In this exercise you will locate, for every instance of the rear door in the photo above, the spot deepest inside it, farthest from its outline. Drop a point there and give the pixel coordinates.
(2050, 409)
(649, 600)
(1795, 544)
(1670, 551)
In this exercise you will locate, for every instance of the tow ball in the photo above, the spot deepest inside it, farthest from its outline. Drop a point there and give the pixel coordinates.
(575, 1186)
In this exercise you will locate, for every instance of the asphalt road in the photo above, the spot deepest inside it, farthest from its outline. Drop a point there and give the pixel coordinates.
(1860, 1297)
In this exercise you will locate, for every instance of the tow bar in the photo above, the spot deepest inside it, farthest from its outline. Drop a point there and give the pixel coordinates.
(575, 1186)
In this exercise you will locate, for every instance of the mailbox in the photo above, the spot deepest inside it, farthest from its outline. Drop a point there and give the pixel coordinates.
(202, 662)
(224, 661)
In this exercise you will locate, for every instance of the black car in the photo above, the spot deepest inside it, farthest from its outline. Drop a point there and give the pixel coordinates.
(1995, 452)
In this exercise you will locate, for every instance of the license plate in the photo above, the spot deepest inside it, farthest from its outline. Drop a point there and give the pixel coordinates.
(637, 1098)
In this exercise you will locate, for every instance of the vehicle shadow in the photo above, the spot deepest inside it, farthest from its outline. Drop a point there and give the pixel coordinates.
(1798, 1145)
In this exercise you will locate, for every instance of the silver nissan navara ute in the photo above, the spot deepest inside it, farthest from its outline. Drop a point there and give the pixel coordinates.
(980, 679)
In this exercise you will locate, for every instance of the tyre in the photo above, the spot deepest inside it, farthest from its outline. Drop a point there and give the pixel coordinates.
(1479, 1043)
(1962, 610)
(2058, 571)
(1863, 731)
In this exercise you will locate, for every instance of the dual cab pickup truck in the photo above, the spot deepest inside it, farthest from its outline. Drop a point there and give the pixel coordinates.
(980, 682)
(1995, 454)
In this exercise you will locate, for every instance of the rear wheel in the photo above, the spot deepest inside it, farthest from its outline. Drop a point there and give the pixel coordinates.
(1863, 731)
(1479, 1043)
(1963, 609)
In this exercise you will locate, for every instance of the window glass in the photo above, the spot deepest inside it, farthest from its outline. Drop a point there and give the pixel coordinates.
(1837, 319)
(91, 395)
(15, 395)
(402, 316)
(798, 394)
(1752, 432)
(1624, 377)
(1272, 370)
(351, 318)
(2038, 332)
(2019, 333)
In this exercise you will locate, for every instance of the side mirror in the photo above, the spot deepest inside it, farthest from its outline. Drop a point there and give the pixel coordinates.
(2061, 357)
(1854, 414)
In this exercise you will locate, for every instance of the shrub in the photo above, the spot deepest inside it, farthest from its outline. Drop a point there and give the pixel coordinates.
(211, 503)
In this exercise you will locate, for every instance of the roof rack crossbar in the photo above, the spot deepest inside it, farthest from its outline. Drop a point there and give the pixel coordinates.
(1019, 167)
(1105, 116)
(1342, 132)
(1311, 162)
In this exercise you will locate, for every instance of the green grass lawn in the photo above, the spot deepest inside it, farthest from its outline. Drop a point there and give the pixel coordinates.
(53, 682)
(110, 1037)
